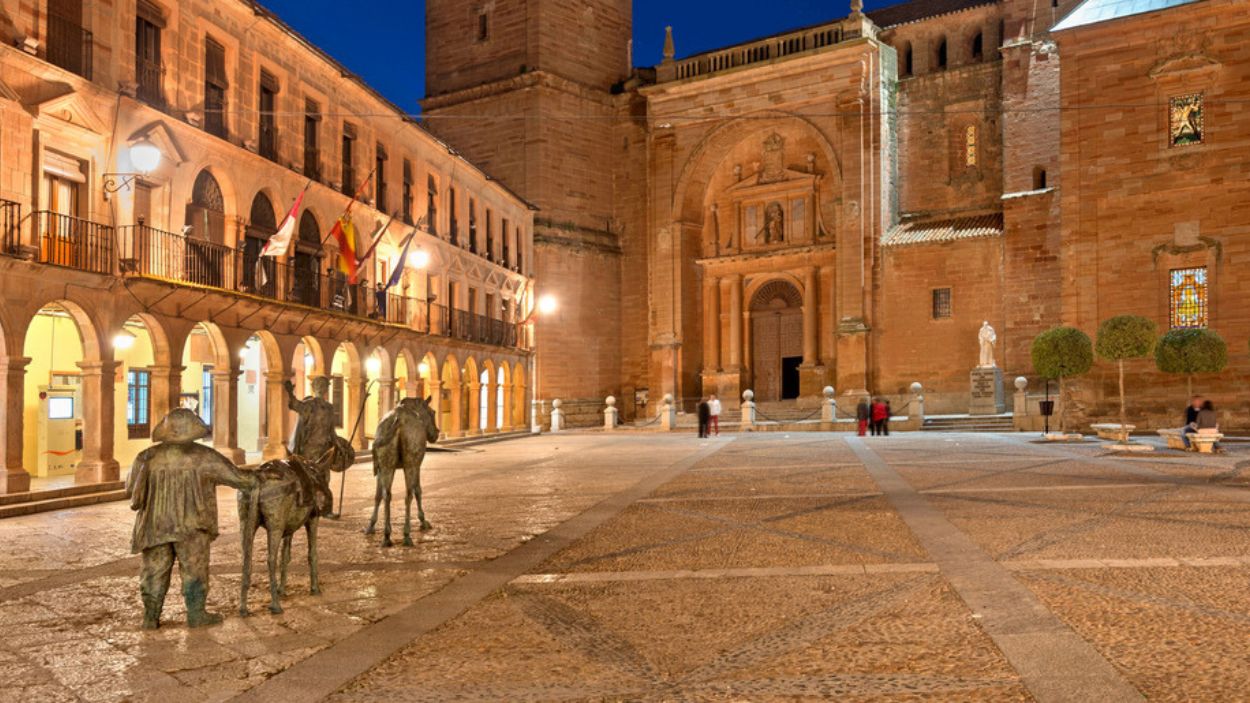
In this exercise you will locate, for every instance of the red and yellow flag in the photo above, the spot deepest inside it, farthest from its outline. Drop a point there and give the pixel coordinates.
(345, 234)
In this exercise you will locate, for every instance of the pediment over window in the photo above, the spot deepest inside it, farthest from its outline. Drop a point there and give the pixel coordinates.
(71, 108)
(159, 134)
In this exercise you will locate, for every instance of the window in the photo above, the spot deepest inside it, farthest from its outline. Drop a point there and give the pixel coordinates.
(483, 26)
(503, 230)
(472, 225)
(206, 393)
(138, 403)
(978, 47)
(312, 147)
(431, 205)
(69, 44)
(451, 208)
(970, 145)
(1188, 297)
(941, 54)
(215, 86)
(268, 124)
(379, 178)
(1185, 120)
(348, 186)
(905, 60)
(520, 251)
(941, 303)
(407, 193)
(1039, 178)
(490, 236)
(149, 71)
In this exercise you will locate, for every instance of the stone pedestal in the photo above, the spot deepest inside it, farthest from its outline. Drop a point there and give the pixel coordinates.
(557, 416)
(986, 392)
(610, 414)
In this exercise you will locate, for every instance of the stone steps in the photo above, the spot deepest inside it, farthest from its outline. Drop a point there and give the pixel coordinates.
(972, 423)
(16, 504)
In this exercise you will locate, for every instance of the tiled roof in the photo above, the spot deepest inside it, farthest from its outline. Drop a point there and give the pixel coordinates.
(1095, 11)
(916, 10)
(929, 231)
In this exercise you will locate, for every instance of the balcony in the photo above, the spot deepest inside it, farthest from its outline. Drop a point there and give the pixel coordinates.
(70, 46)
(72, 242)
(150, 75)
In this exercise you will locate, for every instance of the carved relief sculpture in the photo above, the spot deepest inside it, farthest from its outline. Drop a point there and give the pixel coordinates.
(774, 228)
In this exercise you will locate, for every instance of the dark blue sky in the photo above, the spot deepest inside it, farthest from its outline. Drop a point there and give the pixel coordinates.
(387, 46)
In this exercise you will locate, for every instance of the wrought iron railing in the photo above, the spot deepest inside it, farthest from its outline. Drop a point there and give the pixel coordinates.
(70, 46)
(10, 226)
(73, 242)
(150, 75)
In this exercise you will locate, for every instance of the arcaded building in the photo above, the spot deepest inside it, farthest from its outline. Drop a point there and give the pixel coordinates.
(150, 149)
(846, 204)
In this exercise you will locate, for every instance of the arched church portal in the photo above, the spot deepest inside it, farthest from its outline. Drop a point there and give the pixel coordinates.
(776, 341)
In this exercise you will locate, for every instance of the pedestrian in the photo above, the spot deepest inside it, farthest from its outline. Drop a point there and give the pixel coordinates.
(878, 417)
(1191, 419)
(862, 415)
(1208, 422)
(885, 421)
(705, 415)
(714, 408)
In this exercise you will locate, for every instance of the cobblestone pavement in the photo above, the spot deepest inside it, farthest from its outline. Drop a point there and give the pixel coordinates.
(655, 567)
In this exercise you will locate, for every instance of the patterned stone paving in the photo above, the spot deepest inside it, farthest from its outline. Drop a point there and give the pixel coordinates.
(661, 568)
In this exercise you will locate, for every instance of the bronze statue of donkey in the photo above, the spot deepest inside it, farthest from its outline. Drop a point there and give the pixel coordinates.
(291, 495)
(400, 443)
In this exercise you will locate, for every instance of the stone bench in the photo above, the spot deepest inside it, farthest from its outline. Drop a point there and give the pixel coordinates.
(1110, 430)
(1205, 442)
(1175, 439)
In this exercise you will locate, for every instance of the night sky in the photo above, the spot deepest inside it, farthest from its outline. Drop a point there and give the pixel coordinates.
(387, 46)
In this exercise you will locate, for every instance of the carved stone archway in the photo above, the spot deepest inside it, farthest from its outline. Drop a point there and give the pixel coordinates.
(776, 340)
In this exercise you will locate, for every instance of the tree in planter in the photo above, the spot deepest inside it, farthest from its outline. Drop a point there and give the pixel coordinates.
(1190, 352)
(1060, 353)
(1121, 338)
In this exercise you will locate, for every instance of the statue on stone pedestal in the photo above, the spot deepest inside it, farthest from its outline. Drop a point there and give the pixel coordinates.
(400, 442)
(172, 488)
(987, 338)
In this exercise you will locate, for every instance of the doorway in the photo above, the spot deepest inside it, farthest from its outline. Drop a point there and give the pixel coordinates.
(776, 341)
(790, 377)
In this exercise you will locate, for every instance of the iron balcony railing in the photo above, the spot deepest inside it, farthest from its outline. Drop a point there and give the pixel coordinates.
(70, 46)
(10, 226)
(150, 75)
(72, 242)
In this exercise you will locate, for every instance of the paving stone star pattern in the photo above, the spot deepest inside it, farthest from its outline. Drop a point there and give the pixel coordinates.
(605, 567)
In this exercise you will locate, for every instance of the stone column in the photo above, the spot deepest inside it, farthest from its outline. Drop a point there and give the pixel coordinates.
(356, 389)
(412, 388)
(475, 409)
(454, 402)
(386, 396)
(811, 351)
(276, 414)
(735, 321)
(434, 390)
(226, 414)
(166, 391)
(492, 406)
(509, 408)
(746, 346)
(13, 476)
(98, 464)
(711, 356)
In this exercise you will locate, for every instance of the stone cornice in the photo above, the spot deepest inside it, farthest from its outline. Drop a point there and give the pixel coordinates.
(768, 255)
(533, 79)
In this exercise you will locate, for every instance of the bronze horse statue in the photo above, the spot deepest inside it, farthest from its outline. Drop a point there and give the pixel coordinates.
(292, 494)
(400, 442)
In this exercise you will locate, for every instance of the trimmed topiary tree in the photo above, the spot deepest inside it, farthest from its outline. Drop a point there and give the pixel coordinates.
(1061, 353)
(1190, 352)
(1121, 338)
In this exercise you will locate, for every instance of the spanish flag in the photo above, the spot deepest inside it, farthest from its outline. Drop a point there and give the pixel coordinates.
(345, 234)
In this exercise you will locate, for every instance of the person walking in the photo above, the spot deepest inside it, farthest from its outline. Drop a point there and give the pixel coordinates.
(885, 421)
(714, 408)
(862, 413)
(705, 415)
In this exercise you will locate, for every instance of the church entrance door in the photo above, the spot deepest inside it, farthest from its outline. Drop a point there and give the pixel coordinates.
(776, 341)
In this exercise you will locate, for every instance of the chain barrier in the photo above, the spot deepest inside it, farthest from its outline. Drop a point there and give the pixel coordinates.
(805, 418)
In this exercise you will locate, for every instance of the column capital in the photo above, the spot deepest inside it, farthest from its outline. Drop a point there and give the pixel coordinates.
(278, 376)
(231, 374)
(14, 364)
(102, 367)
(165, 369)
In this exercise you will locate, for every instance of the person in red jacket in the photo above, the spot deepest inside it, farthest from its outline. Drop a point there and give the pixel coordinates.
(880, 416)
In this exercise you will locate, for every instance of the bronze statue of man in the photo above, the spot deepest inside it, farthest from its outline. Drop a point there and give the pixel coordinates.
(314, 434)
(173, 489)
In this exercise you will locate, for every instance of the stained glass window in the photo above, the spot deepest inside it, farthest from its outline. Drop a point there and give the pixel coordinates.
(1188, 296)
(970, 145)
(1185, 120)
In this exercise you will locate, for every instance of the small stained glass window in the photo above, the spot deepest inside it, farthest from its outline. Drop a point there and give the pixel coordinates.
(970, 145)
(941, 303)
(1185, 120)
(1188, 296)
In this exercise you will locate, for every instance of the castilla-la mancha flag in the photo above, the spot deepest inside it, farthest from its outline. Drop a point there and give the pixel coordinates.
(280, 242)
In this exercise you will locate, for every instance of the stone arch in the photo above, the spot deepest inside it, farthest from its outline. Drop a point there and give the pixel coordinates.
(777, 334)
(159, 334)
(309, 232)
(88, 325)
(905, 59)
(261, 213)
(765, 293)
(353, 367)
(470, 406)
(486, 396)
(209, 206)
(271, 350)
(503, 398)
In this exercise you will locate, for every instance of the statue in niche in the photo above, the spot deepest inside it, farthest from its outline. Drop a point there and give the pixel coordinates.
(774, 225)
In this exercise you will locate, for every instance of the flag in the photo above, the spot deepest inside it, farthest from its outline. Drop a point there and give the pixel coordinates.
(280, 242)
(398, 273)
(376, 237)
(344, 233)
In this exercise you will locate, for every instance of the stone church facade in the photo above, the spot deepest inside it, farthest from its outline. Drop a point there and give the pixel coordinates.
(846, 204)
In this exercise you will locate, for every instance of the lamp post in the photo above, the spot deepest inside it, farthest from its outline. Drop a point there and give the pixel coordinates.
(547, 305)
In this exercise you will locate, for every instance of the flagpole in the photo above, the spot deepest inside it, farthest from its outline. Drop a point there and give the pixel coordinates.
(359, 192)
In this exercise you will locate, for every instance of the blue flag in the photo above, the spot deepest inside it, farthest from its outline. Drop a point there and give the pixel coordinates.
(398, 274)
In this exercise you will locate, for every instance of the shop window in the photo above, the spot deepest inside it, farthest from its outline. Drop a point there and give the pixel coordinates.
(138, 403)
(941, 303)
(1188, 296)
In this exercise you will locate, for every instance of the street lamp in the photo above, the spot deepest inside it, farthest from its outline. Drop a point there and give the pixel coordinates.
(547, 305)
(145, 157)
(420, 260)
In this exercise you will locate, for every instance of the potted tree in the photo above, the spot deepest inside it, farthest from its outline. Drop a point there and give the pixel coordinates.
(1191, 351)
(1121, 338)
(1058, 354)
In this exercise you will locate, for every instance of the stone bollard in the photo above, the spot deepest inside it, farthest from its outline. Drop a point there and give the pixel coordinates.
(917, 401)
(1020, 403)
(828, 407)
(609, 414)
(668, 413)
(557, 416)
(748, 410)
